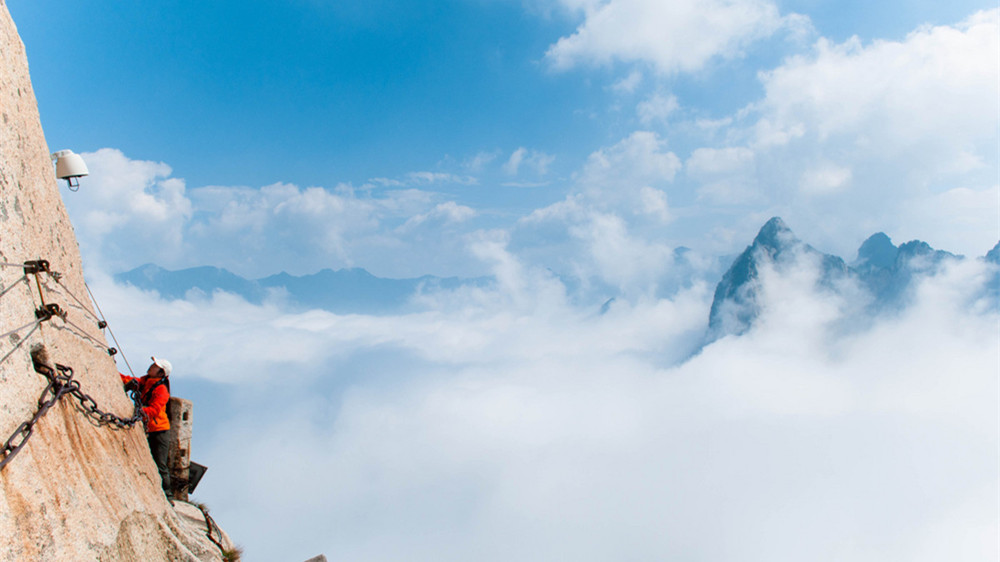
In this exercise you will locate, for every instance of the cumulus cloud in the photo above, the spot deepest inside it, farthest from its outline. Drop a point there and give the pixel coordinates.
(135, 212)
(854, 137)
(639, 160)
(512, 424)
(609, 229)
(128, 205)
(678, 36)
(936, 86)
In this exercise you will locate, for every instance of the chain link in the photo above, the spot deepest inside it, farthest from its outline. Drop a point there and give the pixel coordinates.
(93, 411)
(61, 380)
(60, 384)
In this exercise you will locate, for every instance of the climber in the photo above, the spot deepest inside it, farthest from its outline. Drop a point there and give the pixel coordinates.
(154, 393)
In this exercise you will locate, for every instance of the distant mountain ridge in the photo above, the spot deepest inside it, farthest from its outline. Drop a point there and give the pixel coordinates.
(881, 267)
(344, 291)
(884, 269)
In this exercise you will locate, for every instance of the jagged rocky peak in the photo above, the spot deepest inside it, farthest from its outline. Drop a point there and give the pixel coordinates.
(774, 237)
(878, 250)
(735, 304)
(774, 233)
(993, 256)
(916, 248)
(919, 255)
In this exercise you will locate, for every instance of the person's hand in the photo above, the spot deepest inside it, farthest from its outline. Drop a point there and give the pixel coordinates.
(132, 385)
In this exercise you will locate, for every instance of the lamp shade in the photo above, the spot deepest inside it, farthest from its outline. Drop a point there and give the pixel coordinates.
(69, 165)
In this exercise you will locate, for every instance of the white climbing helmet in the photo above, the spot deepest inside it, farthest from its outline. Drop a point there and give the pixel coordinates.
(163, 364)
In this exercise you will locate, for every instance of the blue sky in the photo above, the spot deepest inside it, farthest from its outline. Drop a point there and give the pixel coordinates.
(499, 109)
(555, 145)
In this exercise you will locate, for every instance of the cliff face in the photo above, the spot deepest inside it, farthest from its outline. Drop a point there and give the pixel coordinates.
(78, 489)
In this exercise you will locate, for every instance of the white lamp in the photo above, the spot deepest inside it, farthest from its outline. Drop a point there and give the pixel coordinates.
(70, 167)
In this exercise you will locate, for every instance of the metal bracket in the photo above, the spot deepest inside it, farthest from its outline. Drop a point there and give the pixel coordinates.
(47, 311)
(36, 266)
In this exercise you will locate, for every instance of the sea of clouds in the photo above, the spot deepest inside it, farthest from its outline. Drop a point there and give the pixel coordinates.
(512, 424)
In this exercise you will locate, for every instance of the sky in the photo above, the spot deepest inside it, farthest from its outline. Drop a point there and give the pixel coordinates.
(552, 144)
(388, 133)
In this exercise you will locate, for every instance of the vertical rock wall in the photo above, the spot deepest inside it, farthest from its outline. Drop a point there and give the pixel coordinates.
(77, 490)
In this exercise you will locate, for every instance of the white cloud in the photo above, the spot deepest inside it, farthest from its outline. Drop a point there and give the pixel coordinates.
(671, 36)
(655, 203)
(639, 160)
(134, 212)
(628, 84)
(127, 205)
(937, 86)
(511, 424)
(657, 108)
(825, 178)
(854, 138)
(537, 162)
(481, 159)
(447, 213)
(439, 177)
(972, 222)
(725, 176)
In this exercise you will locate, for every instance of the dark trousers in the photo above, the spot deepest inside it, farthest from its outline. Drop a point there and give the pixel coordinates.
(159, 445)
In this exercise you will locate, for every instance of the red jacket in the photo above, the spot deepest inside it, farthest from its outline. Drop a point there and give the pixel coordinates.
(154, 398)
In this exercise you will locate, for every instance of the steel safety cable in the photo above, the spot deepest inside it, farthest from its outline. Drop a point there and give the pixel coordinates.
(34, 322)
(82, 305)
(108, 327)
(102, 322)
(14, 284)
(21, 341)
(79, 332)
(43, 314)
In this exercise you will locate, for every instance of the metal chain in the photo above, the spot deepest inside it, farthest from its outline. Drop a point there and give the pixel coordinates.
(57, 388)
(91, 409)
(61, 384)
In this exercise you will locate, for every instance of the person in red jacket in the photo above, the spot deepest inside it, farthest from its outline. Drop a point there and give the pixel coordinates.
(154, 393)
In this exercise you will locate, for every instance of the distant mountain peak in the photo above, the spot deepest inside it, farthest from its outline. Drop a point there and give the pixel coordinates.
(735, 304)
(878, 250)
(993, 256)
(775, 234)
